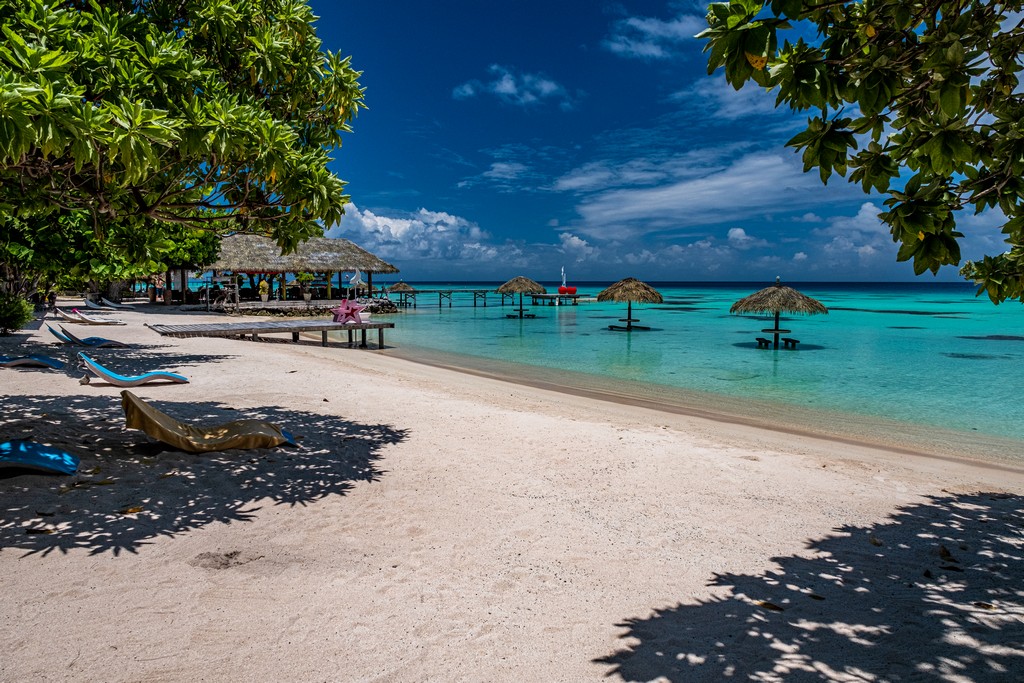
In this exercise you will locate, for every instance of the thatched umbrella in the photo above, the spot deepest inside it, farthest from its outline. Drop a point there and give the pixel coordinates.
(630, 290)
(778, 299)
(521, 285)
(403, 289)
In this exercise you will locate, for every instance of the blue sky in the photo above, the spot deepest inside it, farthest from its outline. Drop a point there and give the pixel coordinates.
(508, 139)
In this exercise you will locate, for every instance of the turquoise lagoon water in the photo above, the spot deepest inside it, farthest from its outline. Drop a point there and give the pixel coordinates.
(915, 353)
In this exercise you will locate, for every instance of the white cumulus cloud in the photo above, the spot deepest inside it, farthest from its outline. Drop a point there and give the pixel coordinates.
(739, 238)
(652, 38)
(519, 89)
(423, 234)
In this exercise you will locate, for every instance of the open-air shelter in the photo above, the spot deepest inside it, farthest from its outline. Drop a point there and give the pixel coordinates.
(243, 253)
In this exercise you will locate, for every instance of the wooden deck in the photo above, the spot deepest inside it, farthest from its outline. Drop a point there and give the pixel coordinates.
(258, 327)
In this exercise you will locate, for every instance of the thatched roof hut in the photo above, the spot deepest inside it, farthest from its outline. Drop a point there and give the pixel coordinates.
(257, 254)
(630, 290)
(401, 287)
(777, 299)
(522, 285)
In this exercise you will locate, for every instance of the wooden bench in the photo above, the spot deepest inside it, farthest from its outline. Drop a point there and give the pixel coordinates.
(764, 343)
(789, 342)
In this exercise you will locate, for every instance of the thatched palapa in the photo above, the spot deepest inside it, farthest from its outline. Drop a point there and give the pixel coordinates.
(630, 290)
(521, 285)
(777, 299)
(402, 287)
(242, 253)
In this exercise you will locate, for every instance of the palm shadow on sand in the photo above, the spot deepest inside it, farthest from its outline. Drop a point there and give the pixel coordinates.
(130, 489)
(934, 594)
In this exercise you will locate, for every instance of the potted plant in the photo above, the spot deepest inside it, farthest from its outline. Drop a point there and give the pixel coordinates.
(264, 288)
(304, 279)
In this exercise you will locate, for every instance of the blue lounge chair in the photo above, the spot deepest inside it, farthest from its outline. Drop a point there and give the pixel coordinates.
(112, 377)
(95, 342)
(66, 337)
(35, 456)
(34, 360)
(62, 338)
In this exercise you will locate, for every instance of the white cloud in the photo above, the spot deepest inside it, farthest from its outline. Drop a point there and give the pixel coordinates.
(576, 247)
(862, 226)
(505, 170)
(650, 38)
(718, 100)
(739, 239)
(982, 234)
(519, 89)
(809, 217)
(800, 256)
(750, 186)
(423, 234)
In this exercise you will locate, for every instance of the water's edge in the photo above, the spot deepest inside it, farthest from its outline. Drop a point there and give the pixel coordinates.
(855, 429)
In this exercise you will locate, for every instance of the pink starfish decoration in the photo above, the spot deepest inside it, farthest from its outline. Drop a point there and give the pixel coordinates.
(348, 311)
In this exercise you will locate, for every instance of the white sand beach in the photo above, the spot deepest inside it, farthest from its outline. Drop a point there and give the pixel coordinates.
(443, 526)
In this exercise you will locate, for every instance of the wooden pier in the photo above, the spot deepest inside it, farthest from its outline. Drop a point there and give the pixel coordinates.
(255, 328)
(479, 296)
(557, 299)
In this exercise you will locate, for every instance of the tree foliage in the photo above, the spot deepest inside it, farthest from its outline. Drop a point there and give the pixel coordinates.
(140, 114)
(15, 313)
(920, 100)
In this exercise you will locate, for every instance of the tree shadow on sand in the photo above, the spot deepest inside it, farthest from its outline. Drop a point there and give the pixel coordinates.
(129, 489)
(934, 594)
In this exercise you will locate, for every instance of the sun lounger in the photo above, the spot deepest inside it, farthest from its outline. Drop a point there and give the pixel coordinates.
(93, 320)
(35, 361)
(112, 377)
(61, 337)
(235, 434)
(89, 303)
(94, 342)
(30, 455)
(108, 302)
(68, 316)
(66, 337)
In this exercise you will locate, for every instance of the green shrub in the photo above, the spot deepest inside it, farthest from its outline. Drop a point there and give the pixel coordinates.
(15, 313)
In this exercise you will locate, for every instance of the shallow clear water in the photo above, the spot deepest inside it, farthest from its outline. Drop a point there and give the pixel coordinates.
(920, 353)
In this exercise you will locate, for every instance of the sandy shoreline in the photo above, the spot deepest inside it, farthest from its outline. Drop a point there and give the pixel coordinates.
(443, 526)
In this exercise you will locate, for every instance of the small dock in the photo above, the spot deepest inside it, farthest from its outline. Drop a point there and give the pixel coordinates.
(256, 328)
(557, 299)
(479, 296)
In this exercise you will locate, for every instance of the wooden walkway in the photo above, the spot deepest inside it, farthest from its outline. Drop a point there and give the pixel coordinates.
(557, 299)
(258, 327)
(479, 295)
